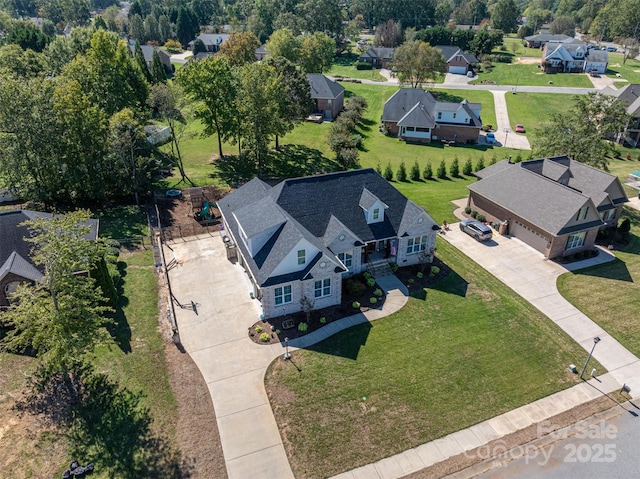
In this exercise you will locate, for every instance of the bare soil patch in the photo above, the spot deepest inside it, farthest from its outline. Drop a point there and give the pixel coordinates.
(527, 61)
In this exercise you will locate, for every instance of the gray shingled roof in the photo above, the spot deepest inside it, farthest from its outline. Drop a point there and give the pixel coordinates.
(382, 53)
(450, 51)
(630, 94)
(212, 38)
(523, 189)
(417, 116)
(601, 56)
(547, 37)
(322, 87)
(316, 208)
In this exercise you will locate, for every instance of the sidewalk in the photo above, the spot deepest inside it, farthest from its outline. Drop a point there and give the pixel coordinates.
(215, 335)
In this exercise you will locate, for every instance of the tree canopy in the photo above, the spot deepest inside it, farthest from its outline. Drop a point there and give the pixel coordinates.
(417, 62)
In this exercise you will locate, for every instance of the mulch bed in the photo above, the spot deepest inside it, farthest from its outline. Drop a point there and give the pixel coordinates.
(274, 327)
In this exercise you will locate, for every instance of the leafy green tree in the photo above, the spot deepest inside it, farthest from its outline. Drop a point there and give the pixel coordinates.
(617, 18)
(454, 169)
(504, 16)
(317, 52)
(27, 35)
(158, 71)
(438, 35)
(427, 174)
(198, 47)
(415, 171)
(442, 170)
(49, 29)
(136, 29)
(322, 16)
(62, 316)
(167, 103)
(282, 43)
(240, 48)
(151, 31)
(186, 26)
(141, 61)
(565, 25)
(485, 41)
(582, 130)
(23, 63)
(211, 84)
(480, 164)
(467, 169)
(417, 62)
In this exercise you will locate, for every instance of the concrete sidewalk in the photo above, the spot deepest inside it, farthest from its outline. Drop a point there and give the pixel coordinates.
(215, 334)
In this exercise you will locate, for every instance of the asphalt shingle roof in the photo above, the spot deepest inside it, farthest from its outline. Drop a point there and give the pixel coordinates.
(322, 87)
(382, 53)
(547, 37)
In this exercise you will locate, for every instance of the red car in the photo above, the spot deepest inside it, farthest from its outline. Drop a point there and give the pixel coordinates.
(519, 128)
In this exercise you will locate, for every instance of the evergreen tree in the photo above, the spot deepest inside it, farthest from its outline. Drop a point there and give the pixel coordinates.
(415, 171)
(141, 62)
(454, 170)
(402, 172)
(388, 172)
(442, 170)
(493, 160)
(427, 174)
(467, 169)
(480, 164)
(158, 72)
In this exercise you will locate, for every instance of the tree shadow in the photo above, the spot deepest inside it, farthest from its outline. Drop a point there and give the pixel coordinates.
(234, 169)
(122, 222)
(346, 59)
(615, 270)
(107, 425)
(453, 283)
(346, 344)
(119, 329)
(292, 161)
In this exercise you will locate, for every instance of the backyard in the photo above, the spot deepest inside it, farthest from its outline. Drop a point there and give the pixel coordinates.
(530, 74)
(465, 350)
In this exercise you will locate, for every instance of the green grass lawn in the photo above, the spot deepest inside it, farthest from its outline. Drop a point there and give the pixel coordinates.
(534, 109)
(470, 350)
(531, 75)
(521, 51)
(344, 65)
(608, 294)
(630, 71)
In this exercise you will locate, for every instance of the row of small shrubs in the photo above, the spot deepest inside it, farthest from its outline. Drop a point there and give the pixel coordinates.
(591, 253)
(475, 215)
(427, 173)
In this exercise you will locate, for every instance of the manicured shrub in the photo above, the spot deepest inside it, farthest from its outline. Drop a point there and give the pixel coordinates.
(112, 251)
(388, 172)
(265, 338)
(435, 270)
(402, 172)
(427, 174)
(474, 214)
(377, 292)
(277, 331)
(419, 275)
(355, 305)
(371, 282)
(411, 281)
(323, 320)
(363, 66)
(415, 171)
(467, 210)
(467, 169)
(354, 286)
(481, 218)
(373, 300)
(454, 170)
(394, 267)
(442, 170)
(303, 327)
(367, 275)
(258, 329)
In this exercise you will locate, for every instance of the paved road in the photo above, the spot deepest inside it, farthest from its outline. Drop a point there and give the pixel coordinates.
(603, 446)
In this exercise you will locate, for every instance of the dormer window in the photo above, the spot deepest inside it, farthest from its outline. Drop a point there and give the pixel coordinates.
(302, 256)
(376, 214)
(583, 213)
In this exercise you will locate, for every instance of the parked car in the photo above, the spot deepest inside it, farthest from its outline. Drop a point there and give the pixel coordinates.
(491, 138)
(612, 49)
(519, 128)
(479, 231)
(594, 73)
(470, 74)
(591, 47)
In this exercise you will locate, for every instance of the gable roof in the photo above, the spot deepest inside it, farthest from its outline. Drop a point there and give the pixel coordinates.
(322, 87)
(147, 51)
(450, 51)
(547, 37)
(601, 56)
(383, 53)
(530, 190)
(15, 252)
(211, 38)
(314, 209)
(630, 94)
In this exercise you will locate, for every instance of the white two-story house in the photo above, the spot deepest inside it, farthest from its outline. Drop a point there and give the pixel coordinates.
(301, 237)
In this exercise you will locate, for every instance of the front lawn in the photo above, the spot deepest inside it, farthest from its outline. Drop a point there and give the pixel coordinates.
(608, 294)
(344, 65)
(534, 109)
(530, 75)
(630, 71)
(468, 350)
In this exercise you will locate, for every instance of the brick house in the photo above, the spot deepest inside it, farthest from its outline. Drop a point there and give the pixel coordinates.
(302, 236)
(327, 95)
(414, 114)
(379, 57)
(15, 253)
(541, 39)
(457, 61)
(555, 205)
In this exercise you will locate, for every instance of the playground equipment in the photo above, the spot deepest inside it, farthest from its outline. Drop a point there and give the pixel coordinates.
(205, 213)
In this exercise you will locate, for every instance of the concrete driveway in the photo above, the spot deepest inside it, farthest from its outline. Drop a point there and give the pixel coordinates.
(505, 135)
(526, 271)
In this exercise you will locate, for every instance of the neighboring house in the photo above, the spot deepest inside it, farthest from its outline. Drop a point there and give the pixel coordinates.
(555, 205)
(414, 114)
(302, 236)
(457, 61)
(15, 253)
(379, 57)
(573, 56)
(630, 95)
(200, 56)
(212, 41)
(261, 52)
(147, 51)
(6, 196)
(541, 39)
(327, 95)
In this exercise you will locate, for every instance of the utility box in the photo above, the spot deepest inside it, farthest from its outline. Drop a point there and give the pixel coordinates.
(504, 228)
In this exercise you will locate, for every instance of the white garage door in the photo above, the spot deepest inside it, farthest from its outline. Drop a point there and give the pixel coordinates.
(458, 70)
(527, 235)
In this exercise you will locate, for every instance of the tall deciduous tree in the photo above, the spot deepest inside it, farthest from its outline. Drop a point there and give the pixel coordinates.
(504, 16)
(580, 132)
(62, 316)
(317, 52)
(282, 43)
(211, 84)
(240, 48)
(417, 62)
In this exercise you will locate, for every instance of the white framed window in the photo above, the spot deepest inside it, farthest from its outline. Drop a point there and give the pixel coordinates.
(302, 256)
(322, 288)
(582, 214)
(346, 258)
(283, 295)
(608, 215)
(376, 213)
(576, 240)
(417, 244)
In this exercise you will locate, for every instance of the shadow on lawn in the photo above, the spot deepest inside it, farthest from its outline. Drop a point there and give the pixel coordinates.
(119, 329)
(452, 284)
(347, 344)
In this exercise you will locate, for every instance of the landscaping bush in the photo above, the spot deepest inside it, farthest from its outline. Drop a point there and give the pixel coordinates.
(467, 169)
(265, 338)
(474, 214)
(481, 218)
(394, 267)
(415, 171)
(303, 327)
(411, 281)
(578, 256)
(354, 287)
(363, 66)
(378, 292)
(435, 270)
(402, 172)
(112, 251)
(367, 275)
(455, 168)
(467, 210)
(427, 174)
(323, 320)
(355, 305)
(371, 282)
(373, 300)
(480, 164)
(419, 275)
(388, 172)
(442, 170)
(112, 243)
(258, 329)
